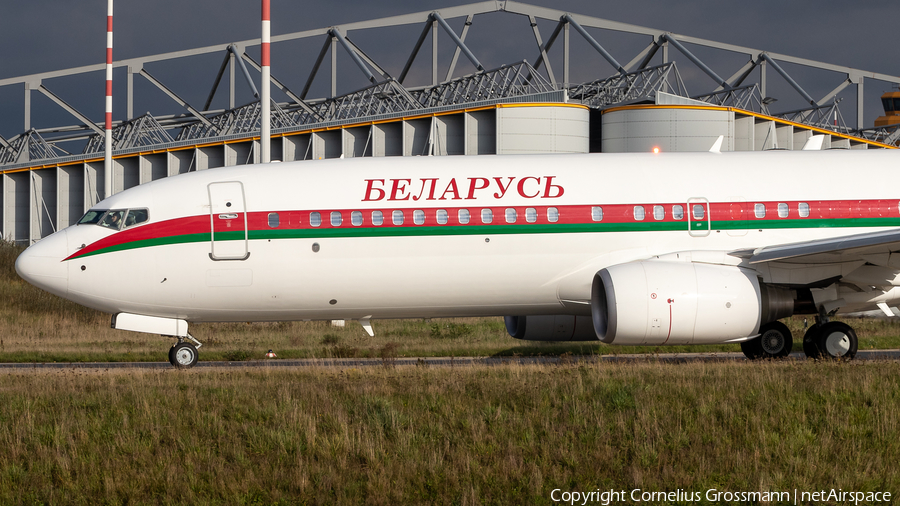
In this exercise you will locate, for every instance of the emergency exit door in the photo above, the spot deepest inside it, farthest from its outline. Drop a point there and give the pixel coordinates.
(699, 219)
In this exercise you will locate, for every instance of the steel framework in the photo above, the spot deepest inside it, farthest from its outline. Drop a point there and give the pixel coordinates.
(631, 87)
(647, 73)
(747, 98)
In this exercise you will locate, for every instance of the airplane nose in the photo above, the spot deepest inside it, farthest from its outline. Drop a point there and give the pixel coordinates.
(41, 264)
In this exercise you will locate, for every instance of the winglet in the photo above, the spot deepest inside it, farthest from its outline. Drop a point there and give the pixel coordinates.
(367, 326)
(717, 146)
(814, 143)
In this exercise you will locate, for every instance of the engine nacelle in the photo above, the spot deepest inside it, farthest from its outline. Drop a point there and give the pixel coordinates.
(551, 328)
(660, 302)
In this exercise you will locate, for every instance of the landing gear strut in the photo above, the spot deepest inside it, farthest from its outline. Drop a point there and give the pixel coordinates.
(774, 341)
(183, 355)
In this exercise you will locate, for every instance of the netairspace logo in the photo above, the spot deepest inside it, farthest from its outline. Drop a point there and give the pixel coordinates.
(607, 497)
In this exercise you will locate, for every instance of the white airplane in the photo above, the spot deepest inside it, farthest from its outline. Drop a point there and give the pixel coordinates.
(634, 249)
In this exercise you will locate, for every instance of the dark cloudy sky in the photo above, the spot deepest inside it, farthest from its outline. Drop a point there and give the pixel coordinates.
(46, 35)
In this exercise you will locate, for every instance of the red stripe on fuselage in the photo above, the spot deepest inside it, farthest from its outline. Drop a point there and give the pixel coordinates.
(578, 214)
(168, 228)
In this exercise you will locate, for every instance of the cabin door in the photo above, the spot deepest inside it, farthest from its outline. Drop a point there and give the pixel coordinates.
(228, 221)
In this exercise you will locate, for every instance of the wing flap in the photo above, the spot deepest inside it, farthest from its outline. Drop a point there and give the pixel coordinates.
(832, 250)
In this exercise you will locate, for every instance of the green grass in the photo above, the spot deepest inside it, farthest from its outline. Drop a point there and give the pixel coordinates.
(468, 436)
(36, 326)
(479, 435)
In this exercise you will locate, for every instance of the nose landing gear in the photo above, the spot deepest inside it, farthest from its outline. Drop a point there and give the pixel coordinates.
(183, 355)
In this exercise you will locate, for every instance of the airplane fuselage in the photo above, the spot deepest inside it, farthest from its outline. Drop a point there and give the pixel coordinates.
(445, 236)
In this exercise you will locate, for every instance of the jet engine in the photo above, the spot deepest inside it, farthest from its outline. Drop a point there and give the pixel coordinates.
(661, 302)
(551, 328)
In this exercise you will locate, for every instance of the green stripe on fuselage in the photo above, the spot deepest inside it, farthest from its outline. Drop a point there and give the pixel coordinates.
(806, 223)
(457, 230)
(146, 243)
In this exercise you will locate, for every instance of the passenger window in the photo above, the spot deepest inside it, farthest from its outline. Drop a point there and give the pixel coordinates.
(759, 210)
(442, 216)
(552, 214)
(113, 220)
(659, 212)
(531, 215)
(487, 216)
(677, 212)
(397, 217)
(803, 208)
(137, 216)
(356, 218)
(315, 219)
(638, 213)
(510, 215)
(273, 220)
(782, 210)
(91, 217)
(597, 213)
(377, 218)
(418, 217)
(698, 211)
(336, 219)
(464, 216)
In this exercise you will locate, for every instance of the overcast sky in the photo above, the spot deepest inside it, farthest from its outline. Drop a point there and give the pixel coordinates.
(46, 35)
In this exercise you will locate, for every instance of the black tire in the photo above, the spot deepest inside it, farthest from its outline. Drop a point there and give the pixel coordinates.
(184, 355)
(837, 340)
(172, 355)
(752, 349)
(811, 342)
(774, 341)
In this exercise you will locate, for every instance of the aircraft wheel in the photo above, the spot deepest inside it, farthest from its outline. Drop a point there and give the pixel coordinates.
(172, 354)
(774, 341)
(183, 355)
(811, 342)
(837, 340)
(752, 349)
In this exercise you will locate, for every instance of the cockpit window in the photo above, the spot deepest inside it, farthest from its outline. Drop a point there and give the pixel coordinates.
(135, 216)
(113, 219)
(91, 217)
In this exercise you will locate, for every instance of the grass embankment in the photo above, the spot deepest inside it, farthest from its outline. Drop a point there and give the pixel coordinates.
(39, 327)
(414, 435)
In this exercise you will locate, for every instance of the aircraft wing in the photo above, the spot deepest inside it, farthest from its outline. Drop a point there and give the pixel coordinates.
(855, 272)
(873, 247)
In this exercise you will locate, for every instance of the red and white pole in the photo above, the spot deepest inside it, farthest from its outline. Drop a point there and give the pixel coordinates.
(265, 100)
(107, 159)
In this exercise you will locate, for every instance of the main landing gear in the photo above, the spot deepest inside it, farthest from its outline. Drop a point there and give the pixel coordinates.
(830, 340)
(834, 340)
(183, 355)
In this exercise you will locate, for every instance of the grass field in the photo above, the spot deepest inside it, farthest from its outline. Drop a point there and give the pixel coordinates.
(415, 435)
(38, 327)
(477, 435)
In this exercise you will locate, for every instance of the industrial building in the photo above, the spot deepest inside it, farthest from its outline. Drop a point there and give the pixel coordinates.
(519, 107)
